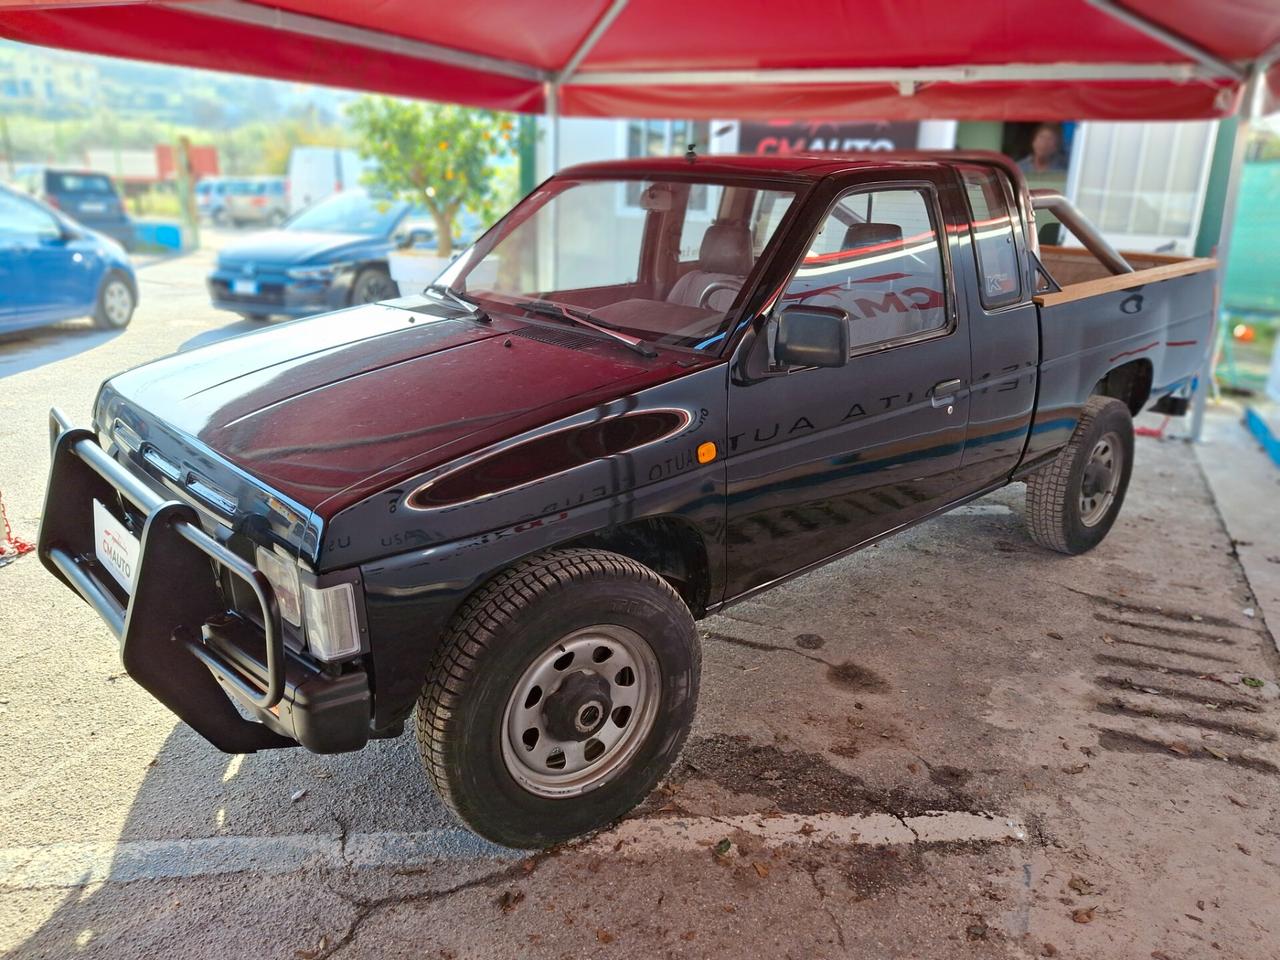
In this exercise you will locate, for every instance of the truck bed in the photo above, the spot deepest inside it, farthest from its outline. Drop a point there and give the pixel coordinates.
(1156, 321)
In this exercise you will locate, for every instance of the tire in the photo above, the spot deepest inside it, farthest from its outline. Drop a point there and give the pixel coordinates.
(1072, 502)
(371, 285)
(257, 317)
(477, 697)
(116, 302)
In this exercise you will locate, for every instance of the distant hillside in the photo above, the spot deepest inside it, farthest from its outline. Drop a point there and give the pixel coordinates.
(56, 85)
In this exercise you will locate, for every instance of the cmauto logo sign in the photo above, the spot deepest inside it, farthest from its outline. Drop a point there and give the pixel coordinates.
(816, 136)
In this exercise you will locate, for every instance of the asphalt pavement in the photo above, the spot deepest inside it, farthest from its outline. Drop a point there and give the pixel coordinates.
(953, 744)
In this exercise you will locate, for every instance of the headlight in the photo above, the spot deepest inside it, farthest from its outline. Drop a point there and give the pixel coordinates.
(282, 574)
(333, 631)
(325, 272)
(326, 614)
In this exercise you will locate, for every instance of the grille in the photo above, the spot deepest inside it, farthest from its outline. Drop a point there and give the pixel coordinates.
(569, 339)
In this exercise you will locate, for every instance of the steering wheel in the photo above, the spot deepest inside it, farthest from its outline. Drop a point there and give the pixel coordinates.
(715, 288)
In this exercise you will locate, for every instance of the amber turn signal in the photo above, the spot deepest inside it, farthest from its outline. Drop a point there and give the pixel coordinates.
(706, 452)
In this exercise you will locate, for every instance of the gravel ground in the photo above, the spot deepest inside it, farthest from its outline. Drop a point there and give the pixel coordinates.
(1109, 781)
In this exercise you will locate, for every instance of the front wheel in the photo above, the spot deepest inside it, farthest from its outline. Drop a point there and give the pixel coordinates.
(116, 302)
(371, 285)
(1072, 502)
(561, 694)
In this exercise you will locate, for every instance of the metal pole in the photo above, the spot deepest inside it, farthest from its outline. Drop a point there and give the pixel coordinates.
(1248, 110)
(552, 97)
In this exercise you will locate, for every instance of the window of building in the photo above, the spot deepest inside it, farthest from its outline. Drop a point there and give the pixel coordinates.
(666, 138)
(992, 229)
(878, 258)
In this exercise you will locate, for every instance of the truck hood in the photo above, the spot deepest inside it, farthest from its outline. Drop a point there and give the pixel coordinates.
(329, 409)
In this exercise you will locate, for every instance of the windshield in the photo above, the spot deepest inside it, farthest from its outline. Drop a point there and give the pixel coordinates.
(79, 183)
(353, 211)
(663, 260)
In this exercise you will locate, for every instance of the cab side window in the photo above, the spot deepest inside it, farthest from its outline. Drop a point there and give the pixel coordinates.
(877, 257)
(992, 229)
(22, 218)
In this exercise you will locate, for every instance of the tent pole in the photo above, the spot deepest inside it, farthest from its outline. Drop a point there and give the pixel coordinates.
(1248, 110)
(552, 97)
(1169, 38)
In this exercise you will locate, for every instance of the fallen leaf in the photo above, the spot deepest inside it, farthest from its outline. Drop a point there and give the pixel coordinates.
(1108, 638)
(1079, 768)
(1197, 618)
(1180, 748)
(1200, 905)
(604, 936)
(1054, 635)
(1048, 950)
(1083, 914)
(298, 795)
(1252, 682)
(1236, 801)
(1159, 955)
(689, 935)
(723, 847)
(761, 870)
(977, 930)
(321, 947)
(1080, 885)
(1249, 612)
(807, 828)
(1243, 849)
(913, 768)
(1192, 916)
(510, 899)
(1214, 751)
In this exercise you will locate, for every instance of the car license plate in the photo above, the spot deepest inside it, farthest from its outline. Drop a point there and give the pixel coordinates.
(93, 206)
(244, 287)
(116, 547)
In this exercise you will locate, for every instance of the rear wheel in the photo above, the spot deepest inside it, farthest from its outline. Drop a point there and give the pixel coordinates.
(116, 303)
(257, 317)
(1072, 502)
(560, 695)
(371, 285)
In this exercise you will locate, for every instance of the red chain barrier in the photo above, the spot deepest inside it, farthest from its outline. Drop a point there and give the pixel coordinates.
(11, 547)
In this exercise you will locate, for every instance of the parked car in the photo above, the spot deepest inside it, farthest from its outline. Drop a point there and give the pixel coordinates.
(211, 199)
(87, 196)
(507, 500)
(257, 200)
(316, 173)
(331, 255)
(53, 269)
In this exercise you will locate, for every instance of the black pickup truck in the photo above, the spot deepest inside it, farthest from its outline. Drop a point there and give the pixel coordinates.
(654, 388)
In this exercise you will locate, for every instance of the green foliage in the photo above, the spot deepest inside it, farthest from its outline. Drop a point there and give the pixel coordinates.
(435, 155)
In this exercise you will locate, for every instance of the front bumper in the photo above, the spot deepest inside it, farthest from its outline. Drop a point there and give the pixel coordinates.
(278, 294)
(178, 639)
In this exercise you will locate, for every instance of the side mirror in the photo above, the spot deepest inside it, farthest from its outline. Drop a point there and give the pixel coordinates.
(812, 337)
(416, 236)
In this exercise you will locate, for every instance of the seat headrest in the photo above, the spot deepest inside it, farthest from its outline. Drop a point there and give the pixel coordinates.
(869, 234)
(726, 248)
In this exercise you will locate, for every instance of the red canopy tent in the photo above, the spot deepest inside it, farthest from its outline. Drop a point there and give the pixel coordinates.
(848, 59)
(818, 59)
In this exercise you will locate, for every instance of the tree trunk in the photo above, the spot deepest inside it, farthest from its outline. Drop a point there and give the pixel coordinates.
(444, 233)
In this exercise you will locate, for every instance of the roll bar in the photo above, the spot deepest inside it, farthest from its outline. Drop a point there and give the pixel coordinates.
(1084, 231)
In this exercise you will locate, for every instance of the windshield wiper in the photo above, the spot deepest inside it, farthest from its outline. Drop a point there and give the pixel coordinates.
(550, 308)
(472, 307)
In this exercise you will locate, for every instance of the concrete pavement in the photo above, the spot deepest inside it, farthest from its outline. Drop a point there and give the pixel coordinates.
(952, 744)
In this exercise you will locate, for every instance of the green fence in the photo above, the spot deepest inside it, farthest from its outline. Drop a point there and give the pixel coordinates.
(1253, 273)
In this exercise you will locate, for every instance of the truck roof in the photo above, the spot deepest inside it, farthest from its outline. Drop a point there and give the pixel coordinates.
(793, 166)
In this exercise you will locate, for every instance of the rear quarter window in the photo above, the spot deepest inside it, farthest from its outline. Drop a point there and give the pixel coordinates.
(78, 183)
(991, 226)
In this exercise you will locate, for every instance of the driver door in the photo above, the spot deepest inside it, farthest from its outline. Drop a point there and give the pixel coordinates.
(823, 459)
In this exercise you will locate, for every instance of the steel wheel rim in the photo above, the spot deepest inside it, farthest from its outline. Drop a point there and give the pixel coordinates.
(634, 684)
(1101, 479)
(117, 303)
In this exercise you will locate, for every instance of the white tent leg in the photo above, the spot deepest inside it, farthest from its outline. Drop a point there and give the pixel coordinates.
(553, 118)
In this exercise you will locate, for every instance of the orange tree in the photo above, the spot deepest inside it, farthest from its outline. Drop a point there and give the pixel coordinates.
(434, 155)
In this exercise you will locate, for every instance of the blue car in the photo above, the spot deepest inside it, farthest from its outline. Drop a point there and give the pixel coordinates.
(88, 197)
(331, 255)
(53, 268)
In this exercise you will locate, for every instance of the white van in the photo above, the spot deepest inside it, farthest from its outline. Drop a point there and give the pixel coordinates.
(319, 172)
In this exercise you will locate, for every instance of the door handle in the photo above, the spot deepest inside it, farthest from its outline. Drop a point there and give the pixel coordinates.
(943, 392)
